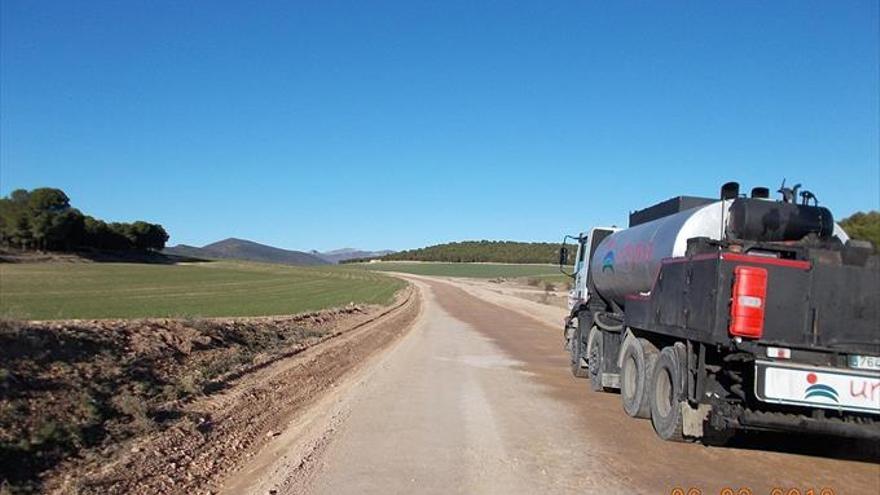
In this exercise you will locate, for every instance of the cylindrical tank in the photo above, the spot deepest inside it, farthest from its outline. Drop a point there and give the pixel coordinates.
(773, 221)
(627, 262)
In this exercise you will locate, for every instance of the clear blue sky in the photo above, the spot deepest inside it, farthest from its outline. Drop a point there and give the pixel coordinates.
(400, 124)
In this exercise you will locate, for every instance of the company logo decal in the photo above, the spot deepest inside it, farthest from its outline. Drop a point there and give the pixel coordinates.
(608, 262)
(820, 390)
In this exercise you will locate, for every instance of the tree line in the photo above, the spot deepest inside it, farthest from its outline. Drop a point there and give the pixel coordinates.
(42, 219)
(863, 226)
(480, 252)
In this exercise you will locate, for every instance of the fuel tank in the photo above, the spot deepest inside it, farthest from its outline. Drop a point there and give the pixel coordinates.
(627, 262)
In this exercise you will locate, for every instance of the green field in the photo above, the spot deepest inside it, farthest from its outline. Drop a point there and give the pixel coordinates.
(473, 270)
(221, 288)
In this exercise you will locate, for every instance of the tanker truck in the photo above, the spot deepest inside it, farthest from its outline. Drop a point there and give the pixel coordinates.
(736, 313)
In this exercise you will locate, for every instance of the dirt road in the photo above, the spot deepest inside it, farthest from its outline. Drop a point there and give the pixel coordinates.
(478, 399)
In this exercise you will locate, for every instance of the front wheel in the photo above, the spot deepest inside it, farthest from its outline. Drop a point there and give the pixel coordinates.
(578, 351)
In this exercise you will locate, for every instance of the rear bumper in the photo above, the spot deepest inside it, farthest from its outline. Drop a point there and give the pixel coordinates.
(751, 419)
(815, 387)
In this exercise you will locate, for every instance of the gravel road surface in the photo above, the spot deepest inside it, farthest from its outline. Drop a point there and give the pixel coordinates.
(477, 398)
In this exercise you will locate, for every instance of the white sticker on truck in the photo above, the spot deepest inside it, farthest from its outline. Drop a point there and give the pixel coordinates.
(818, 387)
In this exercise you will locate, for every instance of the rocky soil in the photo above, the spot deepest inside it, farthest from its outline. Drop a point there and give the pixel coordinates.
(159, 406)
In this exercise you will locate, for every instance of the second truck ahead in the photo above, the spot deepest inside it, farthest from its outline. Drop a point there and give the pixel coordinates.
(735, 313)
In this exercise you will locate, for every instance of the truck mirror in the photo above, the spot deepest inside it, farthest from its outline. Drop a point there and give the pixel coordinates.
(563, 256)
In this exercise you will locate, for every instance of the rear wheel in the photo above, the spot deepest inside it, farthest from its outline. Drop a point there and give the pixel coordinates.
(666, 396)
(637, 369)
(578, 351)
(595, 349)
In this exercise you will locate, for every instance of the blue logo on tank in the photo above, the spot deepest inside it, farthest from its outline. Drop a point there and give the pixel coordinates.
(608, 262)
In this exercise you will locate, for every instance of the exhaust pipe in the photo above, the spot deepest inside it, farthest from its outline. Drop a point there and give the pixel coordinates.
(730, 190)
(761, 193)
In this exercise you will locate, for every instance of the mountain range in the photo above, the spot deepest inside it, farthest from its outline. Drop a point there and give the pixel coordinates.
(242, 249)
(344, 254)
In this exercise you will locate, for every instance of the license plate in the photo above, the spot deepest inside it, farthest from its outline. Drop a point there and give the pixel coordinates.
(864, 362)
(812, 386)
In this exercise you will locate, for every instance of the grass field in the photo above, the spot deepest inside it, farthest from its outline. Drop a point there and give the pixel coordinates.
(221, 288)
(473, 270)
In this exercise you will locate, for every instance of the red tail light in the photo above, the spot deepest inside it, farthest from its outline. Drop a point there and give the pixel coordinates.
(747, 304)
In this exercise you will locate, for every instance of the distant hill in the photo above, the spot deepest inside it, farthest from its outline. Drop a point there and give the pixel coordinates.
(345, 254)
(241, 249)
(482, 251)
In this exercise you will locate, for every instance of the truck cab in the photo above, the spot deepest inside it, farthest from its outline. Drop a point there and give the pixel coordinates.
(586, 246)
(579, 294)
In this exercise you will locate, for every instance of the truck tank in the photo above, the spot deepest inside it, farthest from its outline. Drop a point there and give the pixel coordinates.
(628, 261)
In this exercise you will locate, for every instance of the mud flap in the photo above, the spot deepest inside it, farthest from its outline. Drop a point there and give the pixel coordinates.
(568, 335)
(693, 419)
(611, 380)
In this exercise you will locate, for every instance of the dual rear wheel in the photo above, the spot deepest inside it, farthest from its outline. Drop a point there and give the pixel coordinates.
(651, 383)
(667, 395)
(636, 372)
(651, 386)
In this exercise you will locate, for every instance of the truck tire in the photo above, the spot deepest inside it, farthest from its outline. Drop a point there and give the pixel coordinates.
(637, 369)
(594, 359)
(666, 396)
(578, 350)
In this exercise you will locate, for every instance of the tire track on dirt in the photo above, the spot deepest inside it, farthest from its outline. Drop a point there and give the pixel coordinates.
(221, 432)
